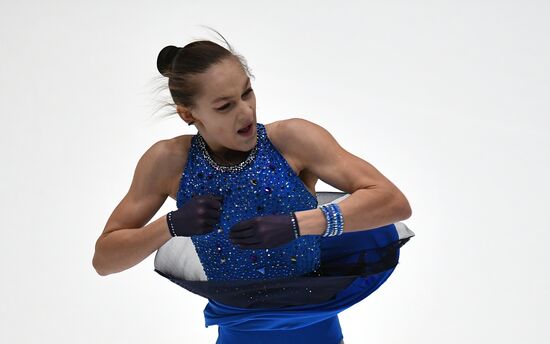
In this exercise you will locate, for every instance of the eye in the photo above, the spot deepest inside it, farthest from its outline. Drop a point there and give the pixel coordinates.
(223, 107)
(226, 106)
(248, 91)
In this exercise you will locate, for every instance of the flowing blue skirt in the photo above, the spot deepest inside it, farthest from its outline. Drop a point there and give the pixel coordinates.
(303, 309)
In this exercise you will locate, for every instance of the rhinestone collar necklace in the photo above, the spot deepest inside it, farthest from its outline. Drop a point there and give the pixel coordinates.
(227, 168)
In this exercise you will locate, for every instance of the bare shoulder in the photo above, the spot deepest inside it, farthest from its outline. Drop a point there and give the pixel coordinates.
(172, 156)
(326, 158)
(295, 128)
(161, 160)
(150, 185)
(320, 154)
(174, 150)
(297, 136)
(161, 163)
(278, 135)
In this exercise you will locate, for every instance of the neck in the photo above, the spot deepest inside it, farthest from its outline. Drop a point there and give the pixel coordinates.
(226, 156)
(230, 157)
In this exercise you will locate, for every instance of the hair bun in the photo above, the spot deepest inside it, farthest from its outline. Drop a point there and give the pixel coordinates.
(165, 59)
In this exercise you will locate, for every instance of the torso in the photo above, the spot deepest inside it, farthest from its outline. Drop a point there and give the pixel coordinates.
(181, 145)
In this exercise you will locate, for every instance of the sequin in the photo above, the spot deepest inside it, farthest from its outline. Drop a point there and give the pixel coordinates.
(222, 168)
(263, 184)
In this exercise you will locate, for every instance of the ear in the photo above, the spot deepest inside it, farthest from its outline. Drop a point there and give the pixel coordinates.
(185, 113)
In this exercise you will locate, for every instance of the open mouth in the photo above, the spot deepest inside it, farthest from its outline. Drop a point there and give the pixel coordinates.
(245, 130)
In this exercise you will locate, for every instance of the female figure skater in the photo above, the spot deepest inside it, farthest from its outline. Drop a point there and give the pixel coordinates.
(246, 203)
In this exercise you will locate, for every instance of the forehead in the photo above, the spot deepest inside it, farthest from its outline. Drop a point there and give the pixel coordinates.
(222, 78)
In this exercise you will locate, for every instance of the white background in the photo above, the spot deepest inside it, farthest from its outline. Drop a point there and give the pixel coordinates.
(448, 99)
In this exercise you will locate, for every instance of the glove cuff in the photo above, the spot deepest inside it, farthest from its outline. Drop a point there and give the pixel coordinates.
(170, 224)
(295, 226)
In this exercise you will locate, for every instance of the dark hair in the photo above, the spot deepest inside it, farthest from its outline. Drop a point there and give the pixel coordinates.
(181, 65)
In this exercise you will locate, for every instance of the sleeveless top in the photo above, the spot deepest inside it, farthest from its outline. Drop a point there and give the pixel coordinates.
(288, 294)
(263, 184)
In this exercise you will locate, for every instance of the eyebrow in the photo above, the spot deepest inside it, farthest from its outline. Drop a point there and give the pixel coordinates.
(229, 97)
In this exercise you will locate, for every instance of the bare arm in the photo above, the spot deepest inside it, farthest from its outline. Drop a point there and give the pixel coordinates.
(374, 200)
(126, 240)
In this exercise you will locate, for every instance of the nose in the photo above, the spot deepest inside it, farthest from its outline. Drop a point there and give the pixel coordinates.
(247, 109)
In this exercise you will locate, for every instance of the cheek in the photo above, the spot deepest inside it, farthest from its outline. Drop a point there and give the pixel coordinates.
(224, 131)
(221, 132)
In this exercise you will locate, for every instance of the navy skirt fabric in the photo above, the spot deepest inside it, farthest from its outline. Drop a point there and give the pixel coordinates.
(305, 308)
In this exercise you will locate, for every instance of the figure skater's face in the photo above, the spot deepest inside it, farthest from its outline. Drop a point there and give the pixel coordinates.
(225, 104)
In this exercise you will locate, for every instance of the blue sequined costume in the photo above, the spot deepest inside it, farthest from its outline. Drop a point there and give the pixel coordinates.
(289, 294)
(263, 184)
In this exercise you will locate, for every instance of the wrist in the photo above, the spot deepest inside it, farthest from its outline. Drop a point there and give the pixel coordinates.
(170, 224)
(295, 226)
(311, 222)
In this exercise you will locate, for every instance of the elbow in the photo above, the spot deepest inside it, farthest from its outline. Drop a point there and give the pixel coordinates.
(97, 264)
(406, 211)
(98, 267)
(402, 207)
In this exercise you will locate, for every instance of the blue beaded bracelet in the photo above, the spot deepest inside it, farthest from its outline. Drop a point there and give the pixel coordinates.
(339, 218)
(333, 224)
(335, 219)
(328, 230)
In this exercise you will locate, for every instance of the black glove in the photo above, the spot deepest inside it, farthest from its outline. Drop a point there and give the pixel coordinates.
(197, 216)
(263, 231)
